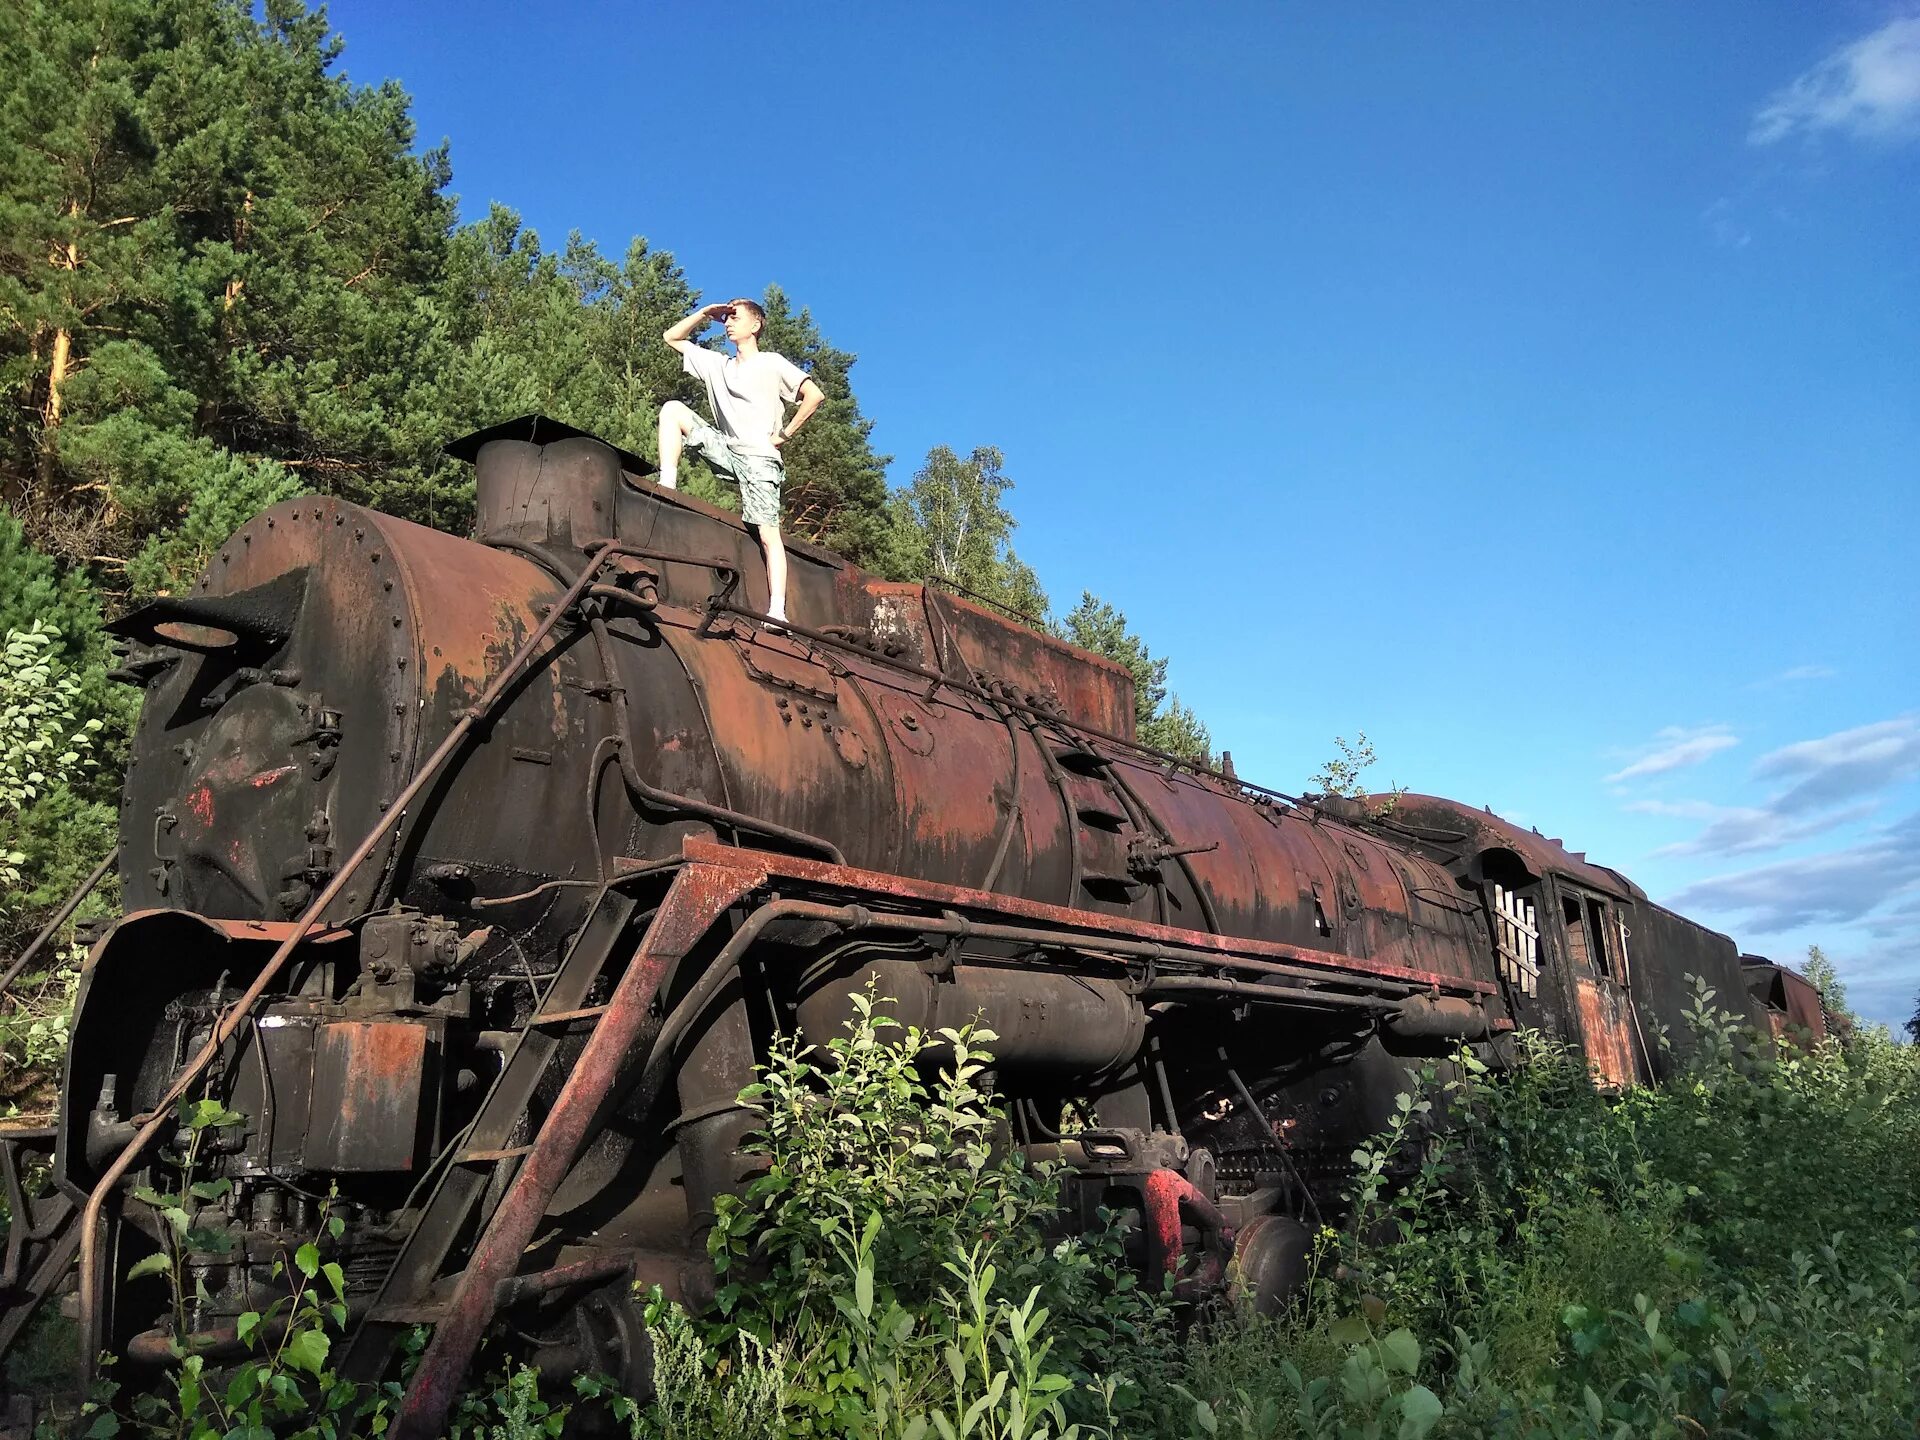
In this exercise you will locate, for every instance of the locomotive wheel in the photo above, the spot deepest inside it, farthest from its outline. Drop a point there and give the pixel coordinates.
(601, 1333)
(1271, 1257)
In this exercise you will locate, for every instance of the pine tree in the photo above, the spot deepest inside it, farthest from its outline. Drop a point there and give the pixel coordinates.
(211, 276)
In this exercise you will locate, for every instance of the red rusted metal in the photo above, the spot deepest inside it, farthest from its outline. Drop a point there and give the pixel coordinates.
(699, 896)
(1418, 815)
(1795, 1012)
(1606, 1031)
(379, 1072)
(1226, 947)
(1171, 1203)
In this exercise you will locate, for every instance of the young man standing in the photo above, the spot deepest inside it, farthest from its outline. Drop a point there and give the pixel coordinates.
(748, 393)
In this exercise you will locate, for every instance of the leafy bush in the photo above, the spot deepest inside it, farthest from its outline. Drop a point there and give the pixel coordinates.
(47, 745)
(897, 1257)
(285, 1386)
(1731, 1255)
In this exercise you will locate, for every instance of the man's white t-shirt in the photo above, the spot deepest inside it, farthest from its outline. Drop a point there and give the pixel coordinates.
(749, 394)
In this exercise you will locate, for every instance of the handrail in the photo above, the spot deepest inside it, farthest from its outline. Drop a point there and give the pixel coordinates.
(60, 917)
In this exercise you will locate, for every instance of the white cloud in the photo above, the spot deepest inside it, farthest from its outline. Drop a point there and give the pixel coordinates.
(1822, 776)
(1681, 809)
(1868, 88)
(1738, 830)
(1844, 764)
(1795, 676)
(1832, 889)
(1676, 748)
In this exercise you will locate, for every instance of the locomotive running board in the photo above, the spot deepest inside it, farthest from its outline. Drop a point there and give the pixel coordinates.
(1337, 968)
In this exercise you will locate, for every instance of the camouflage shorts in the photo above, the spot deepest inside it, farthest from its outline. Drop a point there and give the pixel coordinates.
(758, 476)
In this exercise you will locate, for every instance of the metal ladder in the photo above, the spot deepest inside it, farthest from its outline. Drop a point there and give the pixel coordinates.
(474, 1176)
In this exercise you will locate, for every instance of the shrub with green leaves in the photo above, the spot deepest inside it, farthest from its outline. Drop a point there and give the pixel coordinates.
(899, 1257)
(47, 743)
(284, 1387)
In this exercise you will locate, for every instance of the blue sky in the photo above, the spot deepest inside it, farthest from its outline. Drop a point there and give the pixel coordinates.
(1534, 387)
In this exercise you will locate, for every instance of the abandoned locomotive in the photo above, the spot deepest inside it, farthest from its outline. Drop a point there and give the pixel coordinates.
(475, 876)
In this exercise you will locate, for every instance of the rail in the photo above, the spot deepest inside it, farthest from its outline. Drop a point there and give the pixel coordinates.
(60, 917)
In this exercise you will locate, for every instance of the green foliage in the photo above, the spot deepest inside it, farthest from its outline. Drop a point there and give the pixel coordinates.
(951, 523)
(46, 752)
(285, 1386)
(41, 736)
(1562, 1264)
(1820, 974)
(1554, 1264)
(215, 256)
(1340, 775)
(894, 1258)
(569, 334)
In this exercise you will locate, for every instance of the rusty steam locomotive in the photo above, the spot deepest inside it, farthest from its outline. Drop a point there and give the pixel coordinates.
(476, 874)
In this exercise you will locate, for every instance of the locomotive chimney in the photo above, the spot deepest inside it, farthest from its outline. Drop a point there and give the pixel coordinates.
(542, 482)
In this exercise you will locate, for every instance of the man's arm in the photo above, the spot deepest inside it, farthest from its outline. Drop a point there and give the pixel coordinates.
(811, 396)
(680, 335)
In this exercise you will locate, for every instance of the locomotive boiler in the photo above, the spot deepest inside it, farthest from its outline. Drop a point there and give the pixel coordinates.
(475, 876)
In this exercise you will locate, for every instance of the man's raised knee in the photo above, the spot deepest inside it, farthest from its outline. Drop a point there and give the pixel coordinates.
(677, 416)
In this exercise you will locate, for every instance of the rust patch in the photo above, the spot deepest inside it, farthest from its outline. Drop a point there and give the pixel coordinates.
(272, 777)
(988, 902)
(1604, 1025)
(367, 1080)
(200, 802)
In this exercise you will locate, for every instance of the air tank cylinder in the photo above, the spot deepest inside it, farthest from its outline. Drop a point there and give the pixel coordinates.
(1060, 1024)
